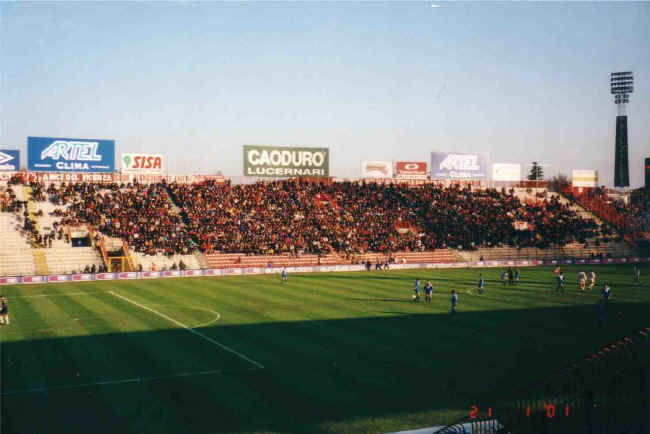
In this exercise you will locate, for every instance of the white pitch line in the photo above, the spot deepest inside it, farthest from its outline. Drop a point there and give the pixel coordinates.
(189, 329)
(206, 310)
(215, 319)
(54, 295)
(123, 381)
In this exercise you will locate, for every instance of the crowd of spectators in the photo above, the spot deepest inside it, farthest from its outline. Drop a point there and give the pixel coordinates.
(8, 200)
(142, 215)
(351, 217)
(298, 217)
(10, 203)
(631, 217)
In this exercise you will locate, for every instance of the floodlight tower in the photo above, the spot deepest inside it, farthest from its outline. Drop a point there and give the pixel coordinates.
(622, 85)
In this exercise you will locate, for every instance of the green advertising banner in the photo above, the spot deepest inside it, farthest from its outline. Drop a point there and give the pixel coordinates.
(285, 162)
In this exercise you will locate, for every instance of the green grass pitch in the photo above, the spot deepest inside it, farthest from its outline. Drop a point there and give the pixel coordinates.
(331, 352)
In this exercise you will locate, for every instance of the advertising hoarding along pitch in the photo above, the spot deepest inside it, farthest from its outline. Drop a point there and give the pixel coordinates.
(9, 160)
(506, 172)
(411, 169)
(55, 154)
(143, 163)
(377, 169)
(585, 178)
(285, 162)
(454, 165)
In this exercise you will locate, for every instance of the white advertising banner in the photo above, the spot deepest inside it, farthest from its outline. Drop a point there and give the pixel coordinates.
(151, 164)
(506, 172)
(377, 169)
(585, 178)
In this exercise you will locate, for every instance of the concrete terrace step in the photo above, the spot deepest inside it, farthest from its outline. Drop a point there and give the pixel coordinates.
(64, 258)
(573, 250)
(16, 253)
(164, 262)
(225, 260)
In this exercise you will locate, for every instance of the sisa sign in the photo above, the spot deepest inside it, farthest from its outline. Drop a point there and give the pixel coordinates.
(142, 163)
(51, 154)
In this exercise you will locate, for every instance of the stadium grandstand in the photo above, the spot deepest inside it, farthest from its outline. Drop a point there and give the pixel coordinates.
(324, 217)
(74, 226)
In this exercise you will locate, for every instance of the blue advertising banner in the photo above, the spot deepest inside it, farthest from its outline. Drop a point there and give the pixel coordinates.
(455, 165)
(9, 160)
(52, 154)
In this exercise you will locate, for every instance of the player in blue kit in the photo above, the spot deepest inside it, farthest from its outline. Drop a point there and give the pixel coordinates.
(454, 301)
(285, 278)
(560, 282)
(606, 292)
(428, 290)
(481, 283)
(416, 290)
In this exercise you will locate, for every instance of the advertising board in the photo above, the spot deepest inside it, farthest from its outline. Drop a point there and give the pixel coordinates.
(16, 280)
(506, 172)
(449, 165)
(585, 178)
(376, 169)
(9, 160)
(286, 162)
(152, 164)
(54, 154)
(411, 169)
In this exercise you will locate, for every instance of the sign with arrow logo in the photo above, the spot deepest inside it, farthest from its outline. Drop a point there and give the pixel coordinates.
(9, 160)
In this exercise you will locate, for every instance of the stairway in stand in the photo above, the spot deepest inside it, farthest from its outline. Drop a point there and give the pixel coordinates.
(40, 262)
(16, 257)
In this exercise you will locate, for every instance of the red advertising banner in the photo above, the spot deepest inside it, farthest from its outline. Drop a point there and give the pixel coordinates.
(411, 169)
(67, 177)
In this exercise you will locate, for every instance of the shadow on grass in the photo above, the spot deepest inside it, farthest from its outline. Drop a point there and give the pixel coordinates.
(319, 375)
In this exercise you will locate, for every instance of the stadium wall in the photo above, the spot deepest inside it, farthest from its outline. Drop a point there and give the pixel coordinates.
(54, 278)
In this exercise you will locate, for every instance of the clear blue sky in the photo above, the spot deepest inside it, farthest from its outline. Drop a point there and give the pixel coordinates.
(196, 81)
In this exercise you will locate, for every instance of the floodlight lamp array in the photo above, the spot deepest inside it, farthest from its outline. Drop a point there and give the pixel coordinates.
(622, 85)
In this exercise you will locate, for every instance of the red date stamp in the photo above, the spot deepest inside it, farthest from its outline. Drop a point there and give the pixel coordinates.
(550, 411)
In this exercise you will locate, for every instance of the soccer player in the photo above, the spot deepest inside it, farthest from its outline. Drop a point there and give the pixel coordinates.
(285, 278)
(511, 276)
(606, 292)
(428, 290)
(582, 280)
(560, 281)
(504, 277)
(637, 273)
(4, 310)
(517, 275)
(416, 290)
(481, 283)
(592, 279)
(454, 301)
